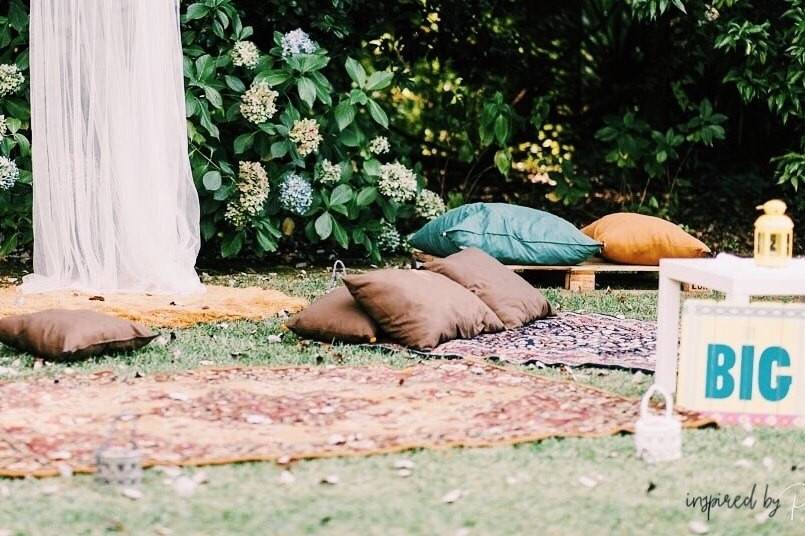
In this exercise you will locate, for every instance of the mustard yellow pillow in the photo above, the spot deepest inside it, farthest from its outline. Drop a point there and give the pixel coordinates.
(638, 239)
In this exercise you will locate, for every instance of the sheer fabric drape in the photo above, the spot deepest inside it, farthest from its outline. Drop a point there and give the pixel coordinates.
(115, 208)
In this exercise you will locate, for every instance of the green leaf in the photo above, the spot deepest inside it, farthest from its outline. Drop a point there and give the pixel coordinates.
(235, 84)
(344, 114)
(379, 80)
(279, 149)
(356, 71)
(340, 234)
(196, 11)
(324, 225)
(213, 96)
(9, 245)
(232, 245)
(367, 196)
(244, 142)
(17, 16)
(351, 136)
(212, 180)
(503, 162)
(307, 90)
(372, 167)
(378, 114)
(23, 144)
(205, 67)
(266, 241)
(273, 78)
(502, 129)
(342, 195)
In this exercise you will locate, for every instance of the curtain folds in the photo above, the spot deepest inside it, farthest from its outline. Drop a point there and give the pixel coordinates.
(115, 207)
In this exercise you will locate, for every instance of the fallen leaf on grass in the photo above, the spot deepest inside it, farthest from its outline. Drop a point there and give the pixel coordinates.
(287, 478)
(588, 482)
(132, 493)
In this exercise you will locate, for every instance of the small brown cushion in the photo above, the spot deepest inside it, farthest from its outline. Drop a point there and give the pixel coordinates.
(421, 309)
(336, 316)
(631, 238)
(62, 334)
(510, 296)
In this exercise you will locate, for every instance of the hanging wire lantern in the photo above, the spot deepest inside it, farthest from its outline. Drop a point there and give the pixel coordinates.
(658, 438)
(119, 460)
(774, 235)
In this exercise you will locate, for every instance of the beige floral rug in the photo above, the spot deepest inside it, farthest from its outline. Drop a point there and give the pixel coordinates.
(215, 416)
(217, 304)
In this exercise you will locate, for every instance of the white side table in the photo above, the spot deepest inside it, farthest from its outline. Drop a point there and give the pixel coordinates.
(738, 278)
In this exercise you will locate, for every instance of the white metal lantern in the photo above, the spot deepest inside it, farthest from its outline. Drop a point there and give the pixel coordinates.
(119, 462)
(658, 438)
(774, 235)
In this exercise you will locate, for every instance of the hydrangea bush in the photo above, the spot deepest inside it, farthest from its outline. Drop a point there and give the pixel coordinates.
(332, 175)
(277, 151)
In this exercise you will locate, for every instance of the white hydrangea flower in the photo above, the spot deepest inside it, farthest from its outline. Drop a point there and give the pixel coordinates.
(379, 145)
(259, 103)
(397, 182)
(305, 134)
(429, 205)
(327, 172)
(9, 173)
(296, 194)
(253, 188)
(3, 127)
(11, 79)
(389, 239)
(245, 54)
(711, 14)
(297, 42)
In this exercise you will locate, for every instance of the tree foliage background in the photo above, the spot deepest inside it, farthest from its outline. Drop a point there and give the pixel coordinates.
(684, 109)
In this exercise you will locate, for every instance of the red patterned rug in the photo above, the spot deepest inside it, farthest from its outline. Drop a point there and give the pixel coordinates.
(213, 416)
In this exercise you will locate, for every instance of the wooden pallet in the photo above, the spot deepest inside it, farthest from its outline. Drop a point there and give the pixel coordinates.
(578, 278)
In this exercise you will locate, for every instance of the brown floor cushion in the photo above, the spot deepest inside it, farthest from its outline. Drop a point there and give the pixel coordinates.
(336, 316)
(421, 309)
(631, 238)
(510, 296)
(62, 334)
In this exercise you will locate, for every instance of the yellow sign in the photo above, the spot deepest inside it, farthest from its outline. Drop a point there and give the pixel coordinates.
(743, 361)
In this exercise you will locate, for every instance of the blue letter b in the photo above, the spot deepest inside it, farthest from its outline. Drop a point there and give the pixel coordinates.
(720, 360)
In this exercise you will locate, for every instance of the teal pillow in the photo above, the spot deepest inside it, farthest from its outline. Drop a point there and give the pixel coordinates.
(432, 238)
(510, 233)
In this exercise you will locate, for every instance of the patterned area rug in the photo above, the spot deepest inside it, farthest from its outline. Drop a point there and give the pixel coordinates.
(216, 304)
(571, 339)
(214, 416)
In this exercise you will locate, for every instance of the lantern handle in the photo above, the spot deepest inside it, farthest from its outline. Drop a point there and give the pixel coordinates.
(656, 389)
(338, 273)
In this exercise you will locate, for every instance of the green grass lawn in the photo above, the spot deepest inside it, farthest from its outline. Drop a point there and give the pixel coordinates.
(563, 486)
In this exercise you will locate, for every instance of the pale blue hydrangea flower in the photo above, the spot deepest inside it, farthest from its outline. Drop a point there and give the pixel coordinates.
(389, 239)
(9, 173)
(297, 42)
(296, 194)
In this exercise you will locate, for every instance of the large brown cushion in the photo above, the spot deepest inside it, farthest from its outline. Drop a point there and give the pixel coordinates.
(421, 309)
(336, 316)
(510, 296)
(631, 238)
(62, 334)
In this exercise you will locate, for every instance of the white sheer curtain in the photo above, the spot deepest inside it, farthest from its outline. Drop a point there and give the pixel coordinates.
(115, 208)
